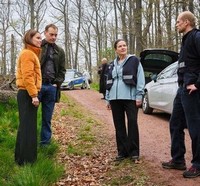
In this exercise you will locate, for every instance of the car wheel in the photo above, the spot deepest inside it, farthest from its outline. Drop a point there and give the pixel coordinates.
(145, 105)
(84, 86)
(71, 87)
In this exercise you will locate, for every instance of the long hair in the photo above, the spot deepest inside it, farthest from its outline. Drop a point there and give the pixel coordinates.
(28, 37)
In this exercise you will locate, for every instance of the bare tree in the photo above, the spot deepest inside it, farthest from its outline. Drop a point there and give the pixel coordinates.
(78, 5)
(138, 26)
(169, 13)
(62, 7)
(20, 20)
(12, 57)
(28, 14)
(122, 7)
(131, 22)
(148, 17)
(40, 8)
(116, 18)
(158, 26)
(85, 43)
(191, 5)
(4, 25)
(31, 5)
(99, 14)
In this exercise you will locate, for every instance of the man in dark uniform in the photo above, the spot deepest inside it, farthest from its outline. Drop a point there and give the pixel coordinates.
(102, 71)
(186, 109)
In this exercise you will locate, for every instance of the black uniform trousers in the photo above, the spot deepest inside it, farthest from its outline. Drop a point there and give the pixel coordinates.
(127, 135)
(26, 142)
(186, 110)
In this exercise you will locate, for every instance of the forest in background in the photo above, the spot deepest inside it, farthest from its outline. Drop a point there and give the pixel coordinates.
(88, 28)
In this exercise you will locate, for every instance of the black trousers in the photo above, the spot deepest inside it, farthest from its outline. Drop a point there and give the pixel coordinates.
(127, 135)
(186, 110)
(26, 142)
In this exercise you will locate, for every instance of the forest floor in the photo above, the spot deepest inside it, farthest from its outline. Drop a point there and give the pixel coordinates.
(98, 169)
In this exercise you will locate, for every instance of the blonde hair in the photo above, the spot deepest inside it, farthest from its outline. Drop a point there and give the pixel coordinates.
(189, 16)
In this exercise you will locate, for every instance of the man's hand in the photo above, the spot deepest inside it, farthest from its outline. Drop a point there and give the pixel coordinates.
(191, 88)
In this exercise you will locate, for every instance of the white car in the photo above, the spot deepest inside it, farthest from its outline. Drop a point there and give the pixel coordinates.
(161, 91)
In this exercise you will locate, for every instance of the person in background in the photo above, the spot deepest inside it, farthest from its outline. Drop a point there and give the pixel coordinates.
(87, 78)
(125, 89)
(28, 81)
(102, 71)
(186, 108)
(53, 74)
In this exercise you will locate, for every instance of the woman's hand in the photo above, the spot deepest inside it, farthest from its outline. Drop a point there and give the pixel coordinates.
(35, 101)
(138, 103)
(108, 106)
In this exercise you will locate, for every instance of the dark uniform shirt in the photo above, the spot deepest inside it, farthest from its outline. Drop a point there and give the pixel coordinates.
(189, 60)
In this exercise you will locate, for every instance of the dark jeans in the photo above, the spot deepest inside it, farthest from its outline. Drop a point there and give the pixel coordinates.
(26, 142)
(127, 138)
(186, 113)
(47, 97)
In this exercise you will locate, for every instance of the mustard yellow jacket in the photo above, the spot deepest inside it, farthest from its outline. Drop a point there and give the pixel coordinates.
(28, 75)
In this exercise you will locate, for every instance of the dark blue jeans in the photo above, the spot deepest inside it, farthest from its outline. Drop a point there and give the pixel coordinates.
(127, 136)
(47, 97)
(186, 113)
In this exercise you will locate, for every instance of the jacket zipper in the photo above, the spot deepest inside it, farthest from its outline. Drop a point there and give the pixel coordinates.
(117, 81)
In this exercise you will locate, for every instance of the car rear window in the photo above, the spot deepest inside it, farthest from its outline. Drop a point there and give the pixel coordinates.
(157, 60)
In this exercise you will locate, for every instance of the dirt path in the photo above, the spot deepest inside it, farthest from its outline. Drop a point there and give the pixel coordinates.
(154, 137)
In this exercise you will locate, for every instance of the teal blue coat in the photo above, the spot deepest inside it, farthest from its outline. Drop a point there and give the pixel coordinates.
(123, 91)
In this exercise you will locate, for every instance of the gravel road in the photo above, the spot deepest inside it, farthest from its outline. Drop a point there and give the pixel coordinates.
(154, 136)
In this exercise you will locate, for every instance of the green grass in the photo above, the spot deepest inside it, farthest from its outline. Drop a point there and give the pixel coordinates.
(46, 171)
(85, 138)
(127, 173)
(94, 86)
(42, 173)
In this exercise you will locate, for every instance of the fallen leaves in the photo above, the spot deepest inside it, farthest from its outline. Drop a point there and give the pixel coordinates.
(80, 170)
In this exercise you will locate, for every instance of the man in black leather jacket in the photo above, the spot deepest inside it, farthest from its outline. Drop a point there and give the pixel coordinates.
(53, 74)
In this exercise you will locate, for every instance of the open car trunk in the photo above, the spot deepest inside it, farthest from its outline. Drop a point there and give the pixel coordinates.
(155, 60)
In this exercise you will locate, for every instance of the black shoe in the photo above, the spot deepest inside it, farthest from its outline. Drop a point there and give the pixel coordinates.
(135, 159)
(120, 158)
(171, 165)
(192, 172)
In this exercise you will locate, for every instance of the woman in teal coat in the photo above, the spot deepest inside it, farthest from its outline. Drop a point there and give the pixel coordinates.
(125, 88)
